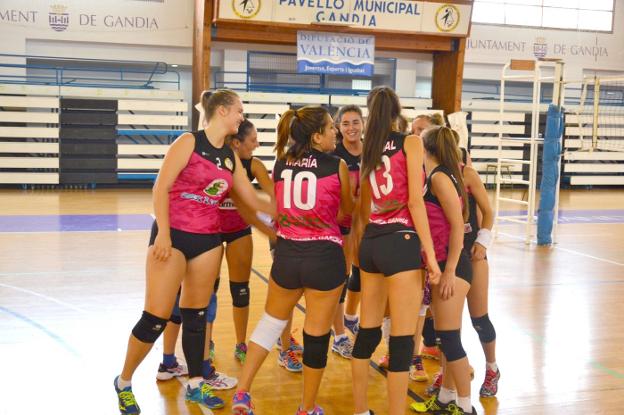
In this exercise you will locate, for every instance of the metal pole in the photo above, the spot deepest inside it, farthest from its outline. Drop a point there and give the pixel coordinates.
(596, 110)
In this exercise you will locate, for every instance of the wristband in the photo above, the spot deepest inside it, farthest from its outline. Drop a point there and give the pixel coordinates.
(484, 238)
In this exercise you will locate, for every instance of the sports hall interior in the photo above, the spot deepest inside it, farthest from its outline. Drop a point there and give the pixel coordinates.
(75, 213)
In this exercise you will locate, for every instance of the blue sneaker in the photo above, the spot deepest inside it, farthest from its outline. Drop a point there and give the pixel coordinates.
(352, 325)
(294, 346)
(127, 403)
(203, 395)
(289, 361)
(241, 404)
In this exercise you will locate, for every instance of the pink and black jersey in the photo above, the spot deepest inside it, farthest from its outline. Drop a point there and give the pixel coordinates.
(389, 190)
(438, 224)
(308, 197)
(231, 221)
(200, 187)
(353, 163)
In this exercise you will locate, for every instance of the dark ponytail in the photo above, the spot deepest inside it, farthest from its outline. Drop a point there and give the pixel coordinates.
(441, 142)
(383, 110)
(244, 129)
(299, 126)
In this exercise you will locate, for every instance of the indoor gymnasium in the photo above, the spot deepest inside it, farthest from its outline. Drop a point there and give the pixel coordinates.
(313, 207)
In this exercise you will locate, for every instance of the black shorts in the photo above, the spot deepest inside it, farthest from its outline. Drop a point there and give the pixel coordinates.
(319, 265)
(344, 230)
(190, 244)
(464, 267)
(230, 237)
(390, 253)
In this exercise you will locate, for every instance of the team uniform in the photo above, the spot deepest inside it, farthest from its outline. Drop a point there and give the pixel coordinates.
(309, 245)
(390, 243)
(195, 197)
(441, 228)
(353, 164)
(233, 226)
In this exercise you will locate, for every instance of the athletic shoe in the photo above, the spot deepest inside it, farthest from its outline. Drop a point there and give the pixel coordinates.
(453, 409)
(490, 384)
(127, 403)
(434, 388)
(417, 371)
(431, 405)
(219, 381)
(203, 395)
(211, 353)
(317, 411)
(343, 347)
(240, 352)
(289, 361)
(352, 325)
(430, 352)
(384, 361)
(166, 373)
(241, 404)
(294, 345)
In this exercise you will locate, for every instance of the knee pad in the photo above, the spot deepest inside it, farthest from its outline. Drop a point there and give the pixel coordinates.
(175, 319)
(240, 294)
(401, 352)
(366, 342)
(315, 350)
(175, 314)
(268, 330)
(484, 328)
(451, 345)
(354, 280)
(193, 319)
(211, 310)
(429, 335)
(149, 327)
(193, 338)
(343, 294)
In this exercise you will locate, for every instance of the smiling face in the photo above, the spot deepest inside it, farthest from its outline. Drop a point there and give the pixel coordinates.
(326, 139)
(232, 116)
(246, 147)
(419, 125)
(351, 127)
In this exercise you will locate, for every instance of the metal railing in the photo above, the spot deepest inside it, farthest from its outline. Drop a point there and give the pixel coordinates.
(62, 71)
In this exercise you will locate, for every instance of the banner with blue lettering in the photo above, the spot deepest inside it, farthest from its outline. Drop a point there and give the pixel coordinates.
(335, 53)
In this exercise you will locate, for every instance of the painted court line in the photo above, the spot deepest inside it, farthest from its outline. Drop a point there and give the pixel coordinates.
(45, 297)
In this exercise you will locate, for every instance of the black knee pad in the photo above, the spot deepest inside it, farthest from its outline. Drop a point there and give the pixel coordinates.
(354, 280)
(484, 328)
(315, 350)
(366, 342)
(240, 294)
(429, 336)
(451, 345)
(193, 319)
(149, 327)
(193, 338)
(401, 351)
(343, 294)
(175, 319)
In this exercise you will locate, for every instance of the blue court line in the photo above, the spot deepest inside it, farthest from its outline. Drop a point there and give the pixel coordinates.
(374, 365)
(43, 329)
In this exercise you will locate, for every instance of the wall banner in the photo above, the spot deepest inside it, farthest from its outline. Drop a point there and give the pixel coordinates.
(335, 53)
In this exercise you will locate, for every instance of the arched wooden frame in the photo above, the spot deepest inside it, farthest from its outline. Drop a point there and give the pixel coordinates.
(448, 52)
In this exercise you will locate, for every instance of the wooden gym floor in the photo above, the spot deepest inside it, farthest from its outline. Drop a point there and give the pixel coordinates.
(71, 288)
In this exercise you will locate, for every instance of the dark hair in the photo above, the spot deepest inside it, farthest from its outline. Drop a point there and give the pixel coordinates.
(211, 100)
(441, 142)
(340, 113)
(299, 125)
(402, 123)
(244, 129)
(383, 110)
(433, 119)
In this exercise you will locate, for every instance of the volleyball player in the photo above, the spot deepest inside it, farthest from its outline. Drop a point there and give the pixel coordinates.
(447, 210)
(349, 125)
(310, 187)
(185, 245)
(388, 253)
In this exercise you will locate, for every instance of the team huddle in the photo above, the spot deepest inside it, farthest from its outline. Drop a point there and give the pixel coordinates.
(361, 215)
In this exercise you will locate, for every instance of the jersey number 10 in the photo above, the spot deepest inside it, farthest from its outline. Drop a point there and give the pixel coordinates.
(295, 195)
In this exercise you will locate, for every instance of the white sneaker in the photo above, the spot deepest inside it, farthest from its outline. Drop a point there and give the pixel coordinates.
(344, 347)
(166, 373)
(220, 381)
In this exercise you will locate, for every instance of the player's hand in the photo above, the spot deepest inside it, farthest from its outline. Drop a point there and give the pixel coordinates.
(447, 285)
(478, 251)
(162, 246)
(433, 269)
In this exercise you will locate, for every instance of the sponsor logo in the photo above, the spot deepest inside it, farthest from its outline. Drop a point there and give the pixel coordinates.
(246, 9)
(228, 164)
(216, 188)
(447, 18)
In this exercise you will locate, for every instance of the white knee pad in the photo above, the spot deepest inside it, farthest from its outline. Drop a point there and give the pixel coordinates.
(268, 330)
(423, 310)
